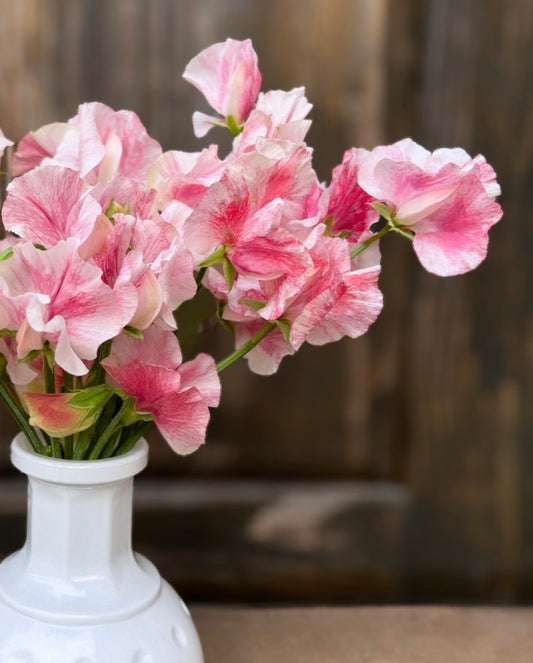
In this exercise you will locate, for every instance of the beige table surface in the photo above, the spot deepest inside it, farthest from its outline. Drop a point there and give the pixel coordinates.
(365, 635)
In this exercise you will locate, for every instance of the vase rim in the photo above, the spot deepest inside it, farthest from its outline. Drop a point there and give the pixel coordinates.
(77, 472)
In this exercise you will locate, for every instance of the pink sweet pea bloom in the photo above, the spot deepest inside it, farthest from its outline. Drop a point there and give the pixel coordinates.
(444, 198)
(37, 146)
(185, 176)
(48, 205)
(60, 299)
(177, 395)
(349, 206)
(228, 76)
(4, 142)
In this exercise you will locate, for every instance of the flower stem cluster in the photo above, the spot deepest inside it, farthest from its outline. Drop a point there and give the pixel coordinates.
(109, 236)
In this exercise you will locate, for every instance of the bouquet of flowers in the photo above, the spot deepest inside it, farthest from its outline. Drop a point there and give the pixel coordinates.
(108, 236)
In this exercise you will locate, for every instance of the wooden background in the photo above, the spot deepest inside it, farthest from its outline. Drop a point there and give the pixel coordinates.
(397, 467)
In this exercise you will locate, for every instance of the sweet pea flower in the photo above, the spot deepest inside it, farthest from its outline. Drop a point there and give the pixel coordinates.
(48, 205)
(65, 303)
(99, 143)
(37, 146)
(228, 76)
(448, 207)
(349, 208)
(185, 176)
(177, 395)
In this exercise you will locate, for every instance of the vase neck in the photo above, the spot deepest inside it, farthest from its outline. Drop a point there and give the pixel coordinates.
(79, 532)
(78, 559)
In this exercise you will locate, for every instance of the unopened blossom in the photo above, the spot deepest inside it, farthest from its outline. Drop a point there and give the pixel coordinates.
(228, 76)
(177, 395)
(448, 207)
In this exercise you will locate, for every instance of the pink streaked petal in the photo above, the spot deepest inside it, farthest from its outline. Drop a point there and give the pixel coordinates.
(454, 238)
(346, 309)
(349, 205)
(49, 204)
(201, 373)
(182, 419)
(37, 146)
(265, 358)
(158, 347)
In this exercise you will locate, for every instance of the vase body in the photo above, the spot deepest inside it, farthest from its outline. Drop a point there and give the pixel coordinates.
(76, 592)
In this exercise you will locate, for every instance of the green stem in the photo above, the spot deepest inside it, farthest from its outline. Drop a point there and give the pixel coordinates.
(137, 431)
(364, 245)
(97, 372)
(109, 431)
(21, 418)
(245, 349)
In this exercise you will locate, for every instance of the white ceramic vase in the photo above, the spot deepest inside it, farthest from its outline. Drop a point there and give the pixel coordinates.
(76, 592)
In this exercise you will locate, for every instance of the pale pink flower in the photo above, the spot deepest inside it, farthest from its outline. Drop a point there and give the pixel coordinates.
(185, 176)
(228, 76)
(65, 303)
(349, 206)
(278, 115)
(238, 207)
(37, 146)
(177, 395)
(48, 205)
(446, 205)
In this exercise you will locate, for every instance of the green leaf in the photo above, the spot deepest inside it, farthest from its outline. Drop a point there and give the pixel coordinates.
(91, 397)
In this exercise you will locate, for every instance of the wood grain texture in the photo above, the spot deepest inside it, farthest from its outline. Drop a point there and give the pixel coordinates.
(437, 397)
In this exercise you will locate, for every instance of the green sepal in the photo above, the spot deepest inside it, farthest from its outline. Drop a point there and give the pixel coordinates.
(253, 303)
(229, 272)
(132, 331)
(232, 125)
(405, 232)
(216, 258)
(285, 327)
(8, 332)
(384, 211)
(130, 415)
(5, 255)
(115, 208)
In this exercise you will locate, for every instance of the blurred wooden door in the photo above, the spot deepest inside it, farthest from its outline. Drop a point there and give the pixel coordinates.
(390, 468)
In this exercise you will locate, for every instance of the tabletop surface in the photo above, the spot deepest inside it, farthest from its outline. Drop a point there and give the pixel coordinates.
(365, 634)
